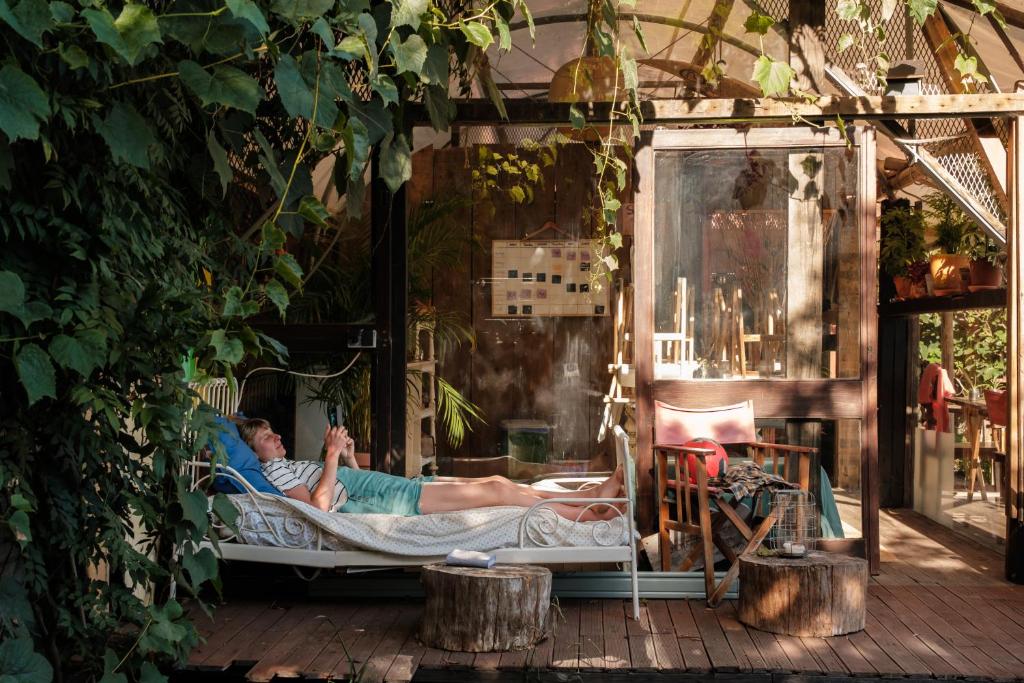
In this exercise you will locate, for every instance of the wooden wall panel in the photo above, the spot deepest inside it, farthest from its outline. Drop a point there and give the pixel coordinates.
(552, 369)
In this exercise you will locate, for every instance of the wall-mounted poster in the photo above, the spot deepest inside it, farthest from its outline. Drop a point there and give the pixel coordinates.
(546, 278)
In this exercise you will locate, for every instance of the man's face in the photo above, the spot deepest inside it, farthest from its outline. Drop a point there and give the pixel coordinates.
(267, 445)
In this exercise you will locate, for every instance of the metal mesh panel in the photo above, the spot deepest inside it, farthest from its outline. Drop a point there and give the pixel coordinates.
(904, 40)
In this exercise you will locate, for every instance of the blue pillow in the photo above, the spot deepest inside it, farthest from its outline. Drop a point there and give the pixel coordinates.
(243, 460)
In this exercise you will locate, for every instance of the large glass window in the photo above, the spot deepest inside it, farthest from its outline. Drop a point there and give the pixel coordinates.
(756, 264)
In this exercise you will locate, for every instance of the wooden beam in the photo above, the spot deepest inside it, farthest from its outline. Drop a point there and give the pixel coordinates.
(707, 110)
(1013, 15)
(942, 42)
(1015, 339)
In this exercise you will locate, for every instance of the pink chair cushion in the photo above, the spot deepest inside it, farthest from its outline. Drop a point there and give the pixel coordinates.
(725, 424)
(995, 401)
(716, 464)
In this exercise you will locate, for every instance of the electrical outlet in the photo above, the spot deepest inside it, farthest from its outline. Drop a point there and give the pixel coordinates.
(364, 338)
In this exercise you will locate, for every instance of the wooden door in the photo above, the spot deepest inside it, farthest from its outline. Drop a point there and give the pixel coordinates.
(802, 377)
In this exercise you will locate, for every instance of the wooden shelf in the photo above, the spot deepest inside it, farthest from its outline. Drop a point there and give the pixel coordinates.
(989, 298)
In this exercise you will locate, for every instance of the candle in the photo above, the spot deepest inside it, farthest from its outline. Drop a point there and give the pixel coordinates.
(798, 549)
(787, 547)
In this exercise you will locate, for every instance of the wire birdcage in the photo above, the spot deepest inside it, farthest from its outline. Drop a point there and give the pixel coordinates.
(796, 527)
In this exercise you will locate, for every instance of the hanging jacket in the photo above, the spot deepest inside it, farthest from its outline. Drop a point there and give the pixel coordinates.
(932, 391)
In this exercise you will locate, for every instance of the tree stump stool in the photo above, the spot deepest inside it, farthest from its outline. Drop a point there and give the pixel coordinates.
(469, 609)
(822, 594)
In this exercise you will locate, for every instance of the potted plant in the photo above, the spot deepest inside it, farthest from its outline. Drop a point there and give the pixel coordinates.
(986, 257)
(950, 224)
(903, 253)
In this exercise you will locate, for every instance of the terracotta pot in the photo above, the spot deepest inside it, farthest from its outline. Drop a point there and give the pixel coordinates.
(986, 274)
(903, 286)
(945, 269)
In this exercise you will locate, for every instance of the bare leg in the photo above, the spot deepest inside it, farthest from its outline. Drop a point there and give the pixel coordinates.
(609, 488)
(448, 497)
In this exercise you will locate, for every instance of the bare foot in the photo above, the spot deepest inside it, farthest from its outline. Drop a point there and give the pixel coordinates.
(612, 487)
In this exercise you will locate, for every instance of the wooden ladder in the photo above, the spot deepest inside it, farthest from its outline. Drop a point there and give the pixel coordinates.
(620, 401)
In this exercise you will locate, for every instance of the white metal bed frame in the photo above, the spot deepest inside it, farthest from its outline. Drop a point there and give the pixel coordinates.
(531, 549)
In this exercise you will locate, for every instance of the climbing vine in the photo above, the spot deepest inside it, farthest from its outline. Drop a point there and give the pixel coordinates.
(156, 168)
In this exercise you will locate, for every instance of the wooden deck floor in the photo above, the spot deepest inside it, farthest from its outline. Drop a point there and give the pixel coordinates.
(939, 609)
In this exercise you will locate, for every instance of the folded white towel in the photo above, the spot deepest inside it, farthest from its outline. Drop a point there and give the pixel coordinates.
(469, 558)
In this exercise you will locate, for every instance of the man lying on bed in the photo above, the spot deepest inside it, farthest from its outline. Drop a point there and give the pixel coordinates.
(349, 489)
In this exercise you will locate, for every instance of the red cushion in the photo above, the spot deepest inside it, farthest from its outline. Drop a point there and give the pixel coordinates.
(717, 463)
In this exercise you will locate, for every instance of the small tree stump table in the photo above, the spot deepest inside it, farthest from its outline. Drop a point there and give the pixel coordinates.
(822, 594)
(469, 609)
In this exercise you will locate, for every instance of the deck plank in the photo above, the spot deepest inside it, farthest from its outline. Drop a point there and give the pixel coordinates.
(591, 635)
(296, 628)
(379, 661)
(230, 621)
(827, 661)
(241, 643)
(642, 653)
(767, 644)
(336, 646)
(715, 642)
(565, 652)
(616, 642)
(748, 657)
(326, 622)
(372, 625)
(876, 656)
(408, 658)
(964, 665)
(666, 644)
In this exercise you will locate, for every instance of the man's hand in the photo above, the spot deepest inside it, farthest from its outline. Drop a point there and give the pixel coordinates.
(336, 440)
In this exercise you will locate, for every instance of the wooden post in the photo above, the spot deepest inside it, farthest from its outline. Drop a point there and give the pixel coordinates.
(868, 224)
(643, 328)
(804, 266)
(1014, 336)
(806, 53)
(390, 295)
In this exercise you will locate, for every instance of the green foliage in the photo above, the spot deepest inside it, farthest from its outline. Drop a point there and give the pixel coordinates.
(979, 347)
(903, 242)
(950, 223)
(511, 175)
(978, 246)
(155, 175)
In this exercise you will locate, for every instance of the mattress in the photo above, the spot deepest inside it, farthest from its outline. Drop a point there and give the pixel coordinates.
(275, 521)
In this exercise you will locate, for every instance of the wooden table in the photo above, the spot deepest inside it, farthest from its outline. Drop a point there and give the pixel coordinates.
(974, 412)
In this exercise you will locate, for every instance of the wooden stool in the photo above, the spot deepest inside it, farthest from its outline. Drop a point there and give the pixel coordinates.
(822, 594)
(469, 609)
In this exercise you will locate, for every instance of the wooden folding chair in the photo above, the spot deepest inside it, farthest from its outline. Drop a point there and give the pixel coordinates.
(694, 514)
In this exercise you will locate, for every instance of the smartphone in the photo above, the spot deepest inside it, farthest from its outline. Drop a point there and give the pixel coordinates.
(336, 415)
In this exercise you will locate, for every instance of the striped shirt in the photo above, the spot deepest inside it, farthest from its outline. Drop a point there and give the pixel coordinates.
(287, 474)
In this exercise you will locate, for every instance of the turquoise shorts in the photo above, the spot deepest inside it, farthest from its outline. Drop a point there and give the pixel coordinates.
(371, 492)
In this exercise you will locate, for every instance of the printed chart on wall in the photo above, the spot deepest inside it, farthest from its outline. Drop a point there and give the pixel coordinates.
(546, 278)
